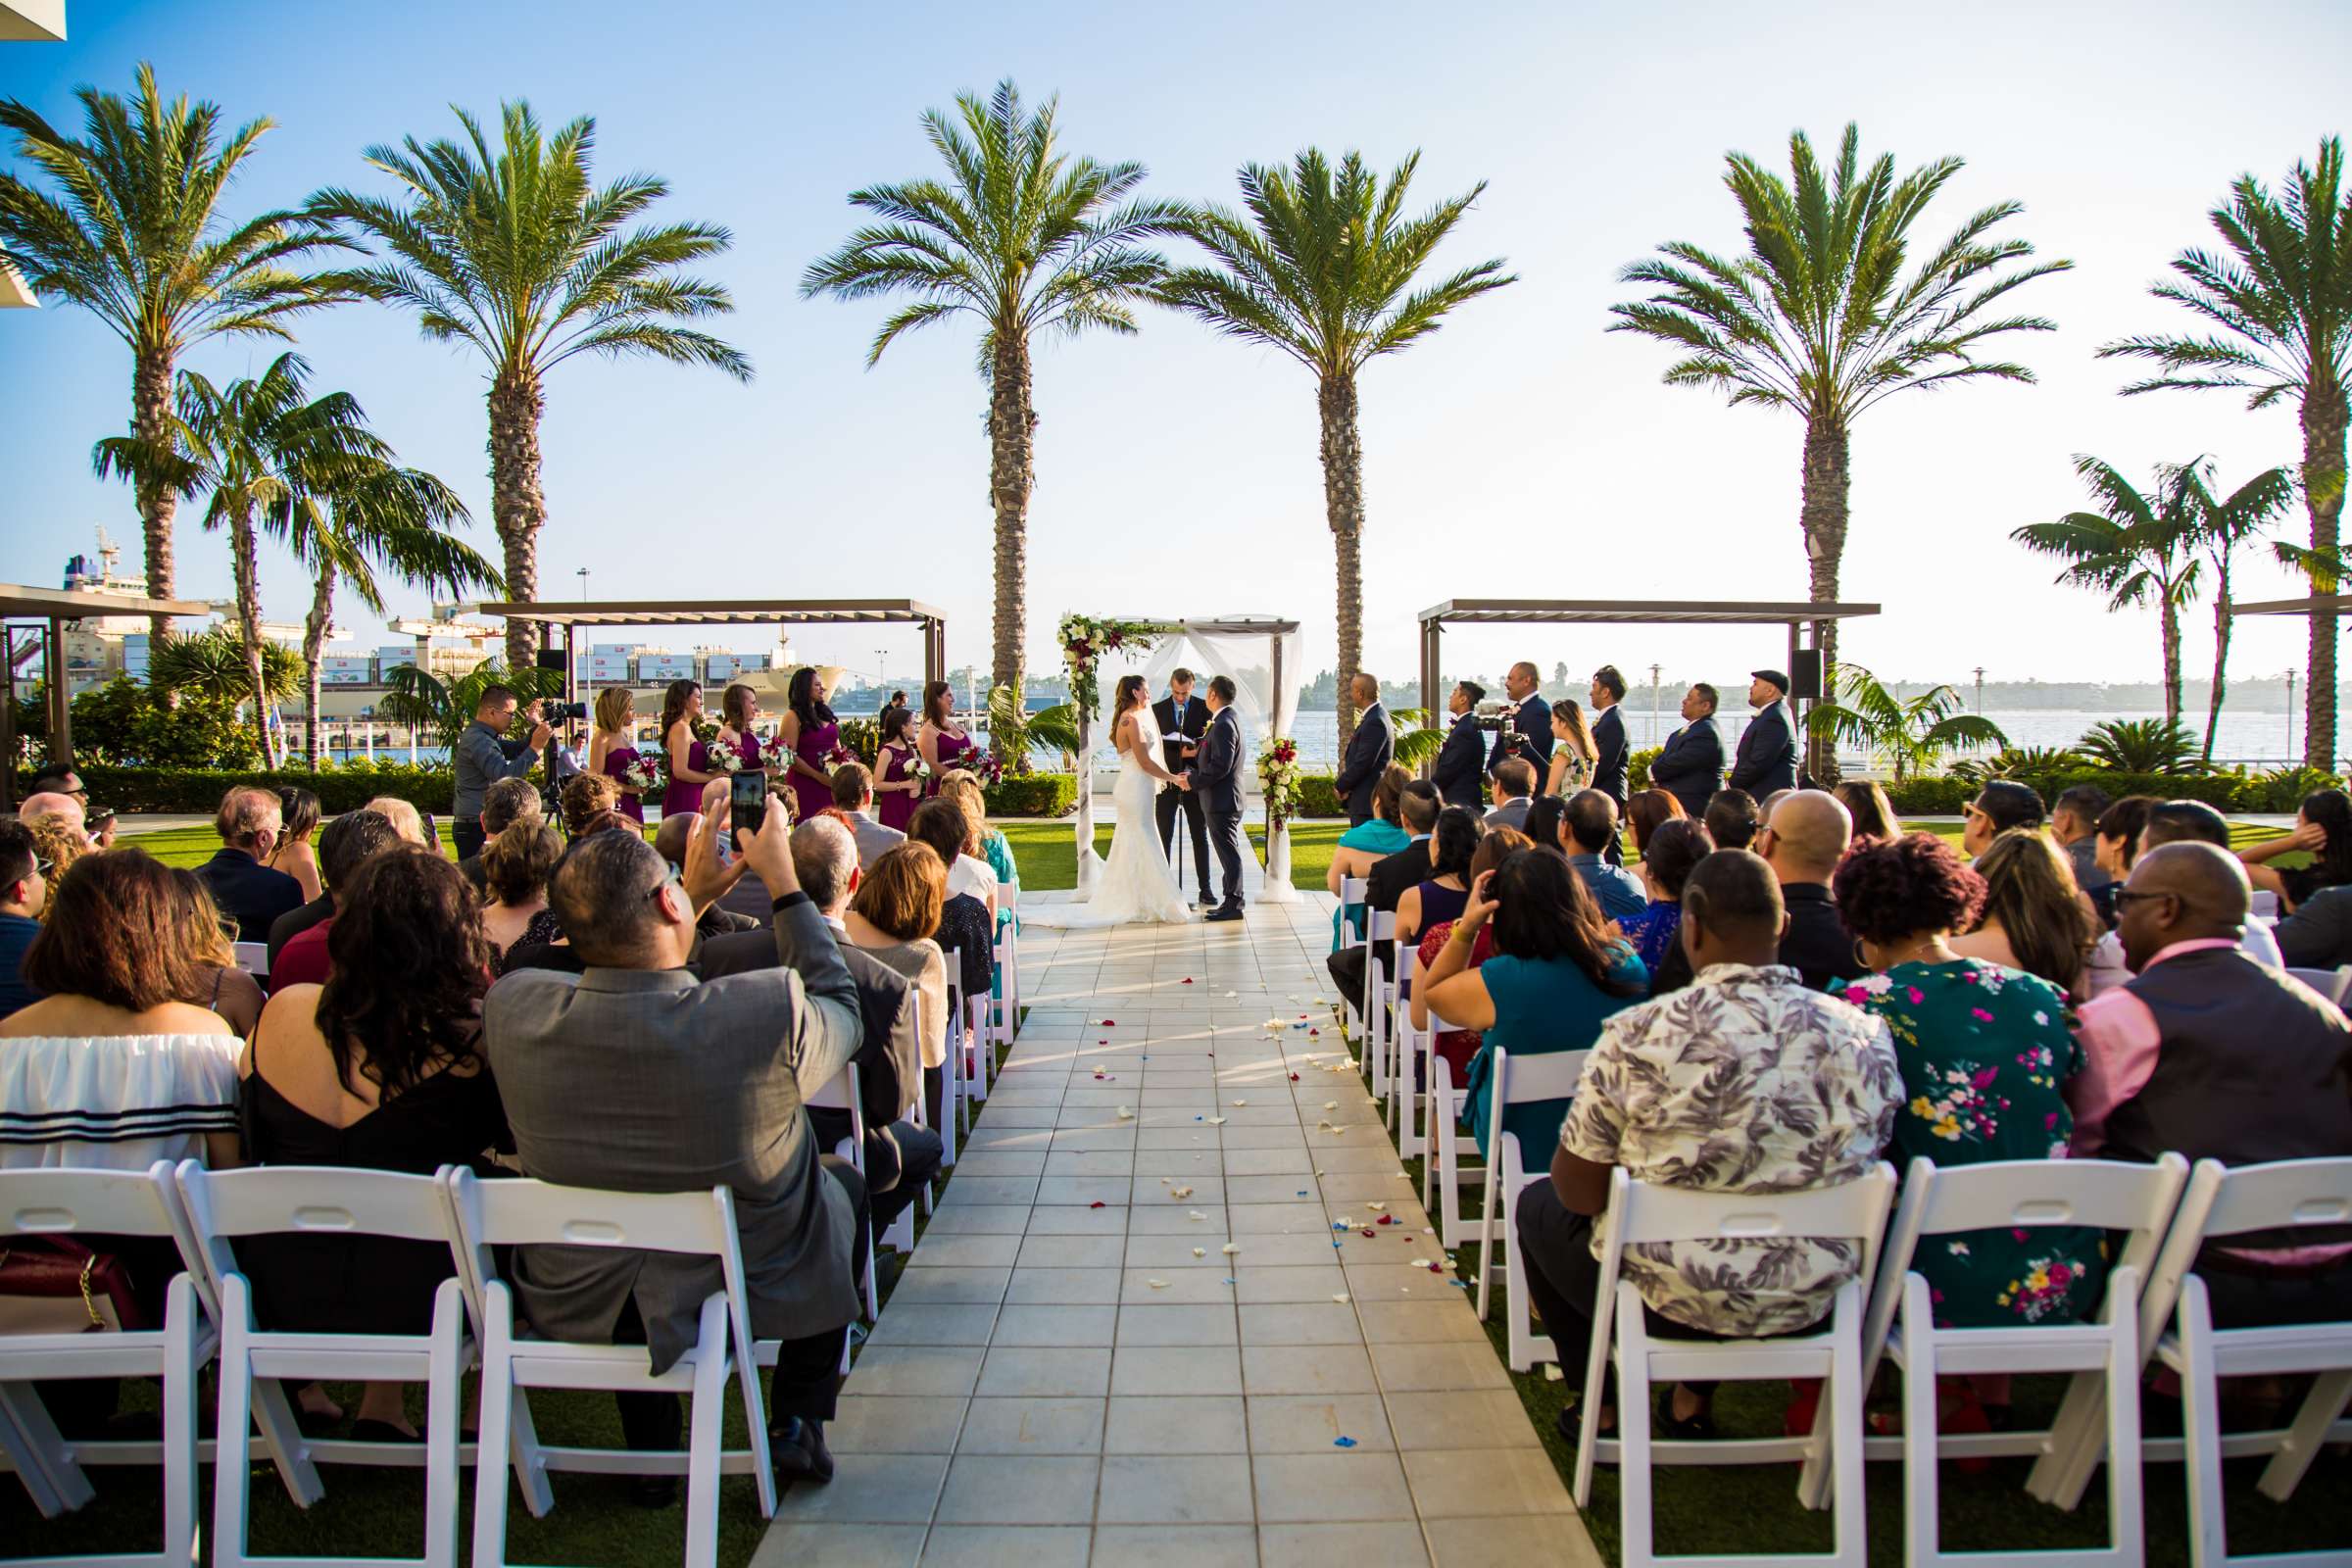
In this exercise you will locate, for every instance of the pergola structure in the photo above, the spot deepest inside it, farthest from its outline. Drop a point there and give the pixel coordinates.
(53, 607)
(575, 613)
(2315, 605)
(1796, 617)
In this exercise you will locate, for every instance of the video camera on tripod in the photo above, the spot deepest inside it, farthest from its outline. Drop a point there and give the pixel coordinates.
(1502, 718)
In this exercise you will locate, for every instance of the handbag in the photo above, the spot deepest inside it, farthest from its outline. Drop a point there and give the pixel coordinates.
(54, 1285)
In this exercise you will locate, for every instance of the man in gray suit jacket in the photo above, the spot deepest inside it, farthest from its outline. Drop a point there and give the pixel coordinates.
(634, 1076)
(854, 793)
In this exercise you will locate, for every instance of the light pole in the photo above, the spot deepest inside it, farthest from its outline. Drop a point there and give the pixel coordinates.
(582, 574)
(1979, 691)
(1655, 671)
(882, 675)
(2291, 715)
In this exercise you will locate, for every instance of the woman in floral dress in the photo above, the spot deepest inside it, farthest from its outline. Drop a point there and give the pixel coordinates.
(1984, 1051)
(1572, 751)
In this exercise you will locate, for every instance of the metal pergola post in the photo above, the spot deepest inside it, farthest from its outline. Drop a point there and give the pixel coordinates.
(61, 699)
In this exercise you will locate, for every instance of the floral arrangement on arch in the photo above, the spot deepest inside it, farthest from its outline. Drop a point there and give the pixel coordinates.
(1278, 773)
(1083, 642)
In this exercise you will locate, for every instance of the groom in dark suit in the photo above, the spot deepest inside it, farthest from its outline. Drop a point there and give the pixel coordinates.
(1183, 720)
(1216, 777)
(1766, 760)
(1368, 750)
(1460, 773)
(1609, 749)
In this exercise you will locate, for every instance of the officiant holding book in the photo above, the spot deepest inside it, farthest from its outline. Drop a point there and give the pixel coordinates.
(1183, 720)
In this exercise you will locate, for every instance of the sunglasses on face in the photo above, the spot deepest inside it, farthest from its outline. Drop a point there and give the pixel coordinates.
(2130, 897)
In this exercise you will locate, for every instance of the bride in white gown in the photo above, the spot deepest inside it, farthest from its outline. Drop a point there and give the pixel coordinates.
(1137, 884)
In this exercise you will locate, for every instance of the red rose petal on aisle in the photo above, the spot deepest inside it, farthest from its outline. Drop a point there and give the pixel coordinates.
(1436, 1269)
(1110, 1023)
(1386, 1219)
(1367, 1233)
(1188, 979)
(1294, 1077)
(1096, 1203)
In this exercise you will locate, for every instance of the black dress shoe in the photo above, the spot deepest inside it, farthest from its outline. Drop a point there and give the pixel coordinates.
(1224, 912)
(799, 1451)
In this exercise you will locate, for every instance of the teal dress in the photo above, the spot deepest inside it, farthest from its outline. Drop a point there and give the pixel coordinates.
(1984, 1051)
(1542, 1005)
(1382, 838)
(1008, 874)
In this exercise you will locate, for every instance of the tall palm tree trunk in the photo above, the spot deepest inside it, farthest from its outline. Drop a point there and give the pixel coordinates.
(314, 641)
(1012, 476)
(245, 559)
(2221, 627)
(1344, 506)
(150, 420)
(2324, 418)
(1822, 513)
(2168, 628)
(516, 497)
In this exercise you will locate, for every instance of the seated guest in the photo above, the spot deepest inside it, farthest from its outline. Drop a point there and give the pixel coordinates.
(1645, 811)
(854, 793)
(240, 881)
(1664, 1082)
(892, 915)
(2116, 838)
(350, 841)
(1733, 819)
(1592, 825)
(718, 920)
(1440, 895)
(1869, 811)
(23, 888)
(1546, 823)
(1984, 1049)
(1414, 807)
(635, 1076)
(2193, 821)
(2211, 1054)
(220, 986)
(504, 802)
(2318, 934)
(298, 812)
(1367, 845)
(63, 809)
(2000, 807)
(583, 799)
(409, 822)
(378, 1069)
(992, 846)
(1802, 841)
(2075, 824)
(1514, 788)
(1555, 975)
(2323, 831)
(517, 865)
(963, 920)
(2033, 918)
(1675, 850)
(901, 1159)
(112, 1043)
(1459, 1046)
(973, 870)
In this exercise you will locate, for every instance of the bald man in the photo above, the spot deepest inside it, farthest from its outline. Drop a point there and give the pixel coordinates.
(53, 803)
(1524, 685)
(2218, 1057)
(1804, 836)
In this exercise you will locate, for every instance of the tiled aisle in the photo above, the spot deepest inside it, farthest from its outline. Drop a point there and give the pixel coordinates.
(1059, 1378)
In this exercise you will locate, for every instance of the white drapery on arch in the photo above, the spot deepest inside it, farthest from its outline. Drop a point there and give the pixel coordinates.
(1260, 655)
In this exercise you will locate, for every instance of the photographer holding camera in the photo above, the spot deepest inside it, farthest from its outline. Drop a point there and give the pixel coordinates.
(484, 756)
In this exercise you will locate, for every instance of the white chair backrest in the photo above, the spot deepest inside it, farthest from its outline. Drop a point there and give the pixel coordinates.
(2265, 904)
(1854, 1210)
(523, 1212)
(2285, 1194)
(316, 1200)
(2329, 983)
(1379, 925)
(840, 1092)
(252, 957)
(65, 1202)
(1537, 1075)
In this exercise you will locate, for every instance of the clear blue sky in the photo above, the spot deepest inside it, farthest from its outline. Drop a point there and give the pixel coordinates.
(1522, 451)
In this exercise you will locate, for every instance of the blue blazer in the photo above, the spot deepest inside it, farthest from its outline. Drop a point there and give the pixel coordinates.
(1460, 773)
(1690, 767)
(1368, 752)
(1217, 768)
(1766, 760)
(1609, 754)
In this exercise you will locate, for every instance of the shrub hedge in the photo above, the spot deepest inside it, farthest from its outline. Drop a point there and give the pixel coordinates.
(2227, 792)
(1033, 795)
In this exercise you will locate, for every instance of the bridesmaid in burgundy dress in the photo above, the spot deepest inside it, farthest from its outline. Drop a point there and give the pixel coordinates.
(689, 762)
(811, 730)
(942, 741)
(739, 711)
(612, 746)
(897, 787)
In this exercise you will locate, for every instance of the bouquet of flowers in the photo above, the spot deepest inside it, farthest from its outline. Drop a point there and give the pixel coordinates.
(724, 760)
(987, 765)
(1278, 774)
(643, 776)
(922, 769)
(1083, 642)
(839, 755)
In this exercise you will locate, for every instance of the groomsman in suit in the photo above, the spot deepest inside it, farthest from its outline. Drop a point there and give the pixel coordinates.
(1767, 756)
(1217, 776)
(1183, 720)
(1524, 688)
(1690, 767)
(1369, 750)
(1610, 748)
(1460, 771)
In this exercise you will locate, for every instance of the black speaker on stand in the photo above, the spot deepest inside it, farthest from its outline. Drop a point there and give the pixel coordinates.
(1804, 674)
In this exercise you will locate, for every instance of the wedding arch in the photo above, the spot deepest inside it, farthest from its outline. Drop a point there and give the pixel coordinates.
(1266, 704)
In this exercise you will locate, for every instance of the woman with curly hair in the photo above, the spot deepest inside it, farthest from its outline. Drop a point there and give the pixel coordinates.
(585, 796)
(1984, 1051)
(380, 1068)
(2323, 831)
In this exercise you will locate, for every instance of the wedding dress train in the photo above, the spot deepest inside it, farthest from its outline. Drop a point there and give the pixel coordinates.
(1137, 885)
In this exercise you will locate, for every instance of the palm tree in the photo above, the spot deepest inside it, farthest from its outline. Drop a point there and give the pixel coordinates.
(1817, 317)
(514, 253)
(2140, 745)
(1912, 733)
(136, 237)
(1030, 240)
(263, 450)
(423, 700)
(209, 665)
(2281, 295)
(1323, 266)
(2219, 528)
(2136, 549)
(371, 515)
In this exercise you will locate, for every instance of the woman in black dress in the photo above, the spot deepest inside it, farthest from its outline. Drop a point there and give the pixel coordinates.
(380, 1068)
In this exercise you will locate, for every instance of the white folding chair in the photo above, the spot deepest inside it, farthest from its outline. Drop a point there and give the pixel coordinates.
(2329, 983)
(1396, 1021)
(253, 958)
(972, 1073)
(1008, 1000)
(1380, 931)
(527, 1213)
(1443, 1173)
(2103, 1352)
(1412, 1047)
(2262, 906)
(294, 1199)
(843, 1093)
(106, 1203)
(1638, 1213)
(1533, 1076)
(2286, 1195)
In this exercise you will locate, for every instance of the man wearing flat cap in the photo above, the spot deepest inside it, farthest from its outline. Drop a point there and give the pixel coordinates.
(1767, 756)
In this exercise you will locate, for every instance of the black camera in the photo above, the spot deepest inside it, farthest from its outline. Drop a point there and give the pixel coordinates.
(564, 712)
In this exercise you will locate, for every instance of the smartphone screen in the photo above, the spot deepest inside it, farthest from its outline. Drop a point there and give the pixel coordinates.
(747, 801)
